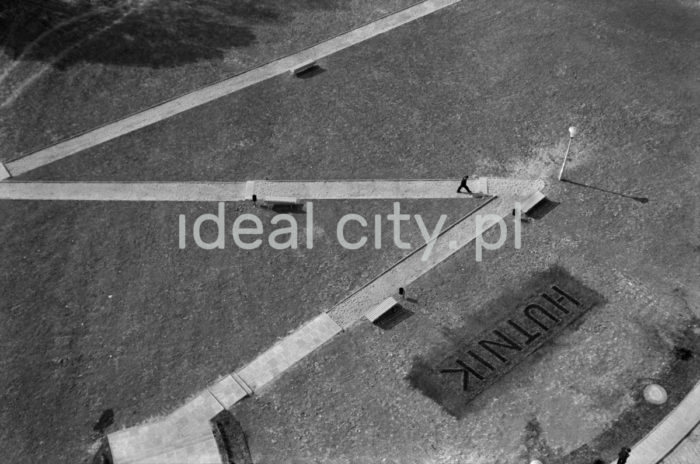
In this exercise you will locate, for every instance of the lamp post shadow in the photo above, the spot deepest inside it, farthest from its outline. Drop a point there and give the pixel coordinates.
(624, 195)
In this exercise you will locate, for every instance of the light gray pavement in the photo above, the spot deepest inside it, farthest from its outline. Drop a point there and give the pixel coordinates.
(238, 191)
(202, 452)
(229, 390)
(366, 189)
(123, 191)
(687, 451)
(188, 427)
(671, 432)
(221, 89)
(288, 351)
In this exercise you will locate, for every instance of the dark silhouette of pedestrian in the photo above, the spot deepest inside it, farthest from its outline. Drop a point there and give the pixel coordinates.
(402, 292)
(463, 185)
(623, 455)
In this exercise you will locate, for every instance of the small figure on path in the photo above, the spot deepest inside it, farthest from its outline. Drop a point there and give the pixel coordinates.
(623, 455)
(402, 292)
(463, 185)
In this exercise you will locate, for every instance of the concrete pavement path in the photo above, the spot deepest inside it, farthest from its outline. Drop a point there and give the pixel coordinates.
(238, 191)
(123, 191)
(687, 451)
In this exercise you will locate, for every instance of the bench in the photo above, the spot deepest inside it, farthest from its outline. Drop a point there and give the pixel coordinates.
(287, 201)
(532, 201)
(303, 67)
(376, 312)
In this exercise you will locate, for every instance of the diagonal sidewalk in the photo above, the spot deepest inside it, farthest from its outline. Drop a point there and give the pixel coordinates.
(210, 93)
(687, 451)
(187, 426)
(419, 262)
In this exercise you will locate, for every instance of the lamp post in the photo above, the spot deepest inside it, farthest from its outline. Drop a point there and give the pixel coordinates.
(572, 133)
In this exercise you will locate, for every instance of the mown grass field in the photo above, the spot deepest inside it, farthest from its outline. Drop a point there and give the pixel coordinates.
(102, 310)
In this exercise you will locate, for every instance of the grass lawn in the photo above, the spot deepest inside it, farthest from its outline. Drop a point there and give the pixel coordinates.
(101, 309)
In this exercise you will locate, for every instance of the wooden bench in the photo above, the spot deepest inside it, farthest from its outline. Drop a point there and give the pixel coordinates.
(376, 312)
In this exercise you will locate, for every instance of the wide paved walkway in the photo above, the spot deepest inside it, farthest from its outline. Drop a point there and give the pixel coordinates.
(123, 191)
(238, 191)
(687, 451)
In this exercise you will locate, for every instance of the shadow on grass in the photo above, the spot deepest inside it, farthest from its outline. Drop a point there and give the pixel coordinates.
(135, 33)
(393, 317)
(624, 195)
(231, 439)
(311, 72)
(542, 209)
(284, 208)
(105, 420)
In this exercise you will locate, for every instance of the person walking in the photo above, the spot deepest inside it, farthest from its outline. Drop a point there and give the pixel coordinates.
(463, 185)
(623, 455)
